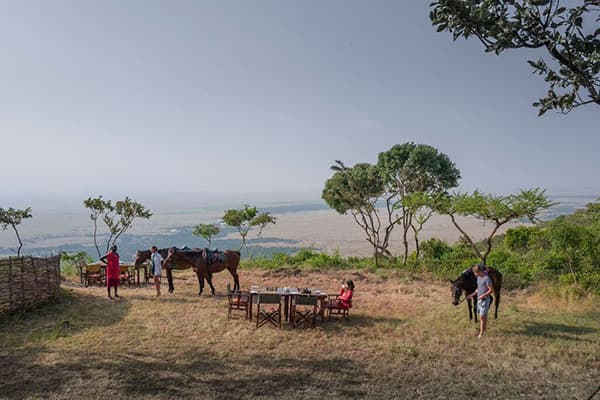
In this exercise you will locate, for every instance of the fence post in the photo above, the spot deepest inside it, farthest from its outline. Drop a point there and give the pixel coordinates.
(36, 298)
(10, 282)
(48, 291)
(22, 282)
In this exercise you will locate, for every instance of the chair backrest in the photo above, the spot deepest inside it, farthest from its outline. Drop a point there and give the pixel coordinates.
(268, 298)
(93, 268)
(305, 300)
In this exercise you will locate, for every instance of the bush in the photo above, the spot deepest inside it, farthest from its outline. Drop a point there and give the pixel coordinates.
(435, 249)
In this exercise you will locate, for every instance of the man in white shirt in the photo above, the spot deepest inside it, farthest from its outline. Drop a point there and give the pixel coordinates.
(156, 268)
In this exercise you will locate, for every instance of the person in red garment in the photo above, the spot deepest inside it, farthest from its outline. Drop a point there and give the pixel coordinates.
(112, 270)
(344, 299)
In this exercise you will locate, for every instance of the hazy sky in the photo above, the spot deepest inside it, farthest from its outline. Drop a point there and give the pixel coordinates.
(196, 97)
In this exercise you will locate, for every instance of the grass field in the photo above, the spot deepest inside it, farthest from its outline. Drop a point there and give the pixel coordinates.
(403, 340)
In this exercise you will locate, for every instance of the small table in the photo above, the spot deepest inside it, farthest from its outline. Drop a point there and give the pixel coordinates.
(287, 294)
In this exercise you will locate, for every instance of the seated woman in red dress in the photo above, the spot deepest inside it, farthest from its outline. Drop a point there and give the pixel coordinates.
(112, 270)
(344, 299)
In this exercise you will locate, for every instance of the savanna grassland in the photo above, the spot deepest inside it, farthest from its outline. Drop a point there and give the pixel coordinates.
(403, 339)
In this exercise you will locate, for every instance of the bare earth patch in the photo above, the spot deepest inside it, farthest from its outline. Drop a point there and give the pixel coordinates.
(403, 340)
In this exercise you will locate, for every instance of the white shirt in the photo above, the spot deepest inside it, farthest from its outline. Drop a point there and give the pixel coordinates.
(157, 263)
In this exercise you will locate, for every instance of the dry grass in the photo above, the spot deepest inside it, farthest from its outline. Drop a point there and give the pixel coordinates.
(403, 340)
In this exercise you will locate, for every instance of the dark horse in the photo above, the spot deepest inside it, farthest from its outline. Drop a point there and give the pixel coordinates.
(197, 260)
(467, 282)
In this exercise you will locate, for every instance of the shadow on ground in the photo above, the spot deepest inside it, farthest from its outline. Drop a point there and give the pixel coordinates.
(556, 330)
(200, 376)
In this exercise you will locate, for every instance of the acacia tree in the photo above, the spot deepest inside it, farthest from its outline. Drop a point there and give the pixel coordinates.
(568, 32)
(118, 217)
(408, 169)
(245, 219)
(98, 206)
(497, 210)
(358, 190)
(13, 217)
(420, 206)
(207, 231)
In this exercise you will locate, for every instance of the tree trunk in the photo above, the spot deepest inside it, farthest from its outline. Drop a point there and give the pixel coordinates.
(95, 237)
(19, 239)
(571, 262)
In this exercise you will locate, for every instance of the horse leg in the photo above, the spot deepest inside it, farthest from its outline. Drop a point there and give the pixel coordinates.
(469, 308)
(497, 304)
(236, 279)
(170, 280)
(200, 282)
(209, 280)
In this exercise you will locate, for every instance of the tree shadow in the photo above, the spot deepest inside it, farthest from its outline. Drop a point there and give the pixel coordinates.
(201, 375)
(556, 330)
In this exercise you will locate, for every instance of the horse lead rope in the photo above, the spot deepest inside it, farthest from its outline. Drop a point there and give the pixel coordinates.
(593, 394)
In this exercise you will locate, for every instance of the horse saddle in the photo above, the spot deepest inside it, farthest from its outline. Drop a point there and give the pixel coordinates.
(212, 256)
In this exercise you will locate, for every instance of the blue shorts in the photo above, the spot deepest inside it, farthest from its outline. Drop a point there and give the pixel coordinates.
(483, 306)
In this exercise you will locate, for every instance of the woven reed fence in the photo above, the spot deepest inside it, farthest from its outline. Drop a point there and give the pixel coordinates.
(26, 282)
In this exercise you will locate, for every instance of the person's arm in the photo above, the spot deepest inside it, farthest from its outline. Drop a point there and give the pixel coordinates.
(472, 294)
(103, 259)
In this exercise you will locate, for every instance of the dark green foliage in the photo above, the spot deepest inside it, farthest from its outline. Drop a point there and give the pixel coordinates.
(522, 238)
(560, 252)
(435, 249)
(69, 262)
(567, 31)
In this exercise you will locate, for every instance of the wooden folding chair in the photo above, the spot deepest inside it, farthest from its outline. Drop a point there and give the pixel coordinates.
(125, 275)
(238, 301)
(304, 310)
(270, 315)
(93, 274)
(334, 306)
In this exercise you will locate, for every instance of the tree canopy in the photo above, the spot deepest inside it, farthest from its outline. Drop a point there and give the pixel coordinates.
(569, 33)
(13, 217)
(357, 190)
(244, 219)
(375, 194)
(407, 170)
(497, 210)
(207, 231)
(118, 217)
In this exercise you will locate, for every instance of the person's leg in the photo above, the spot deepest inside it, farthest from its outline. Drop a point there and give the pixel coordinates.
(157, 285)
(482, 324)
(483, 308)
(116, 295)
(108, 289)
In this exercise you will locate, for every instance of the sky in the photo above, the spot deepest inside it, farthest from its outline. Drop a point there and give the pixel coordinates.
(256, 99)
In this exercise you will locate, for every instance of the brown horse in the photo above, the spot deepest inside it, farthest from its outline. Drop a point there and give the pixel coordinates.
(144, 255)
(197, 260)
(467, 282)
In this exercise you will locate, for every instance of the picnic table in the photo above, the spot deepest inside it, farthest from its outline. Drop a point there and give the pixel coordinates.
(287, 294)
